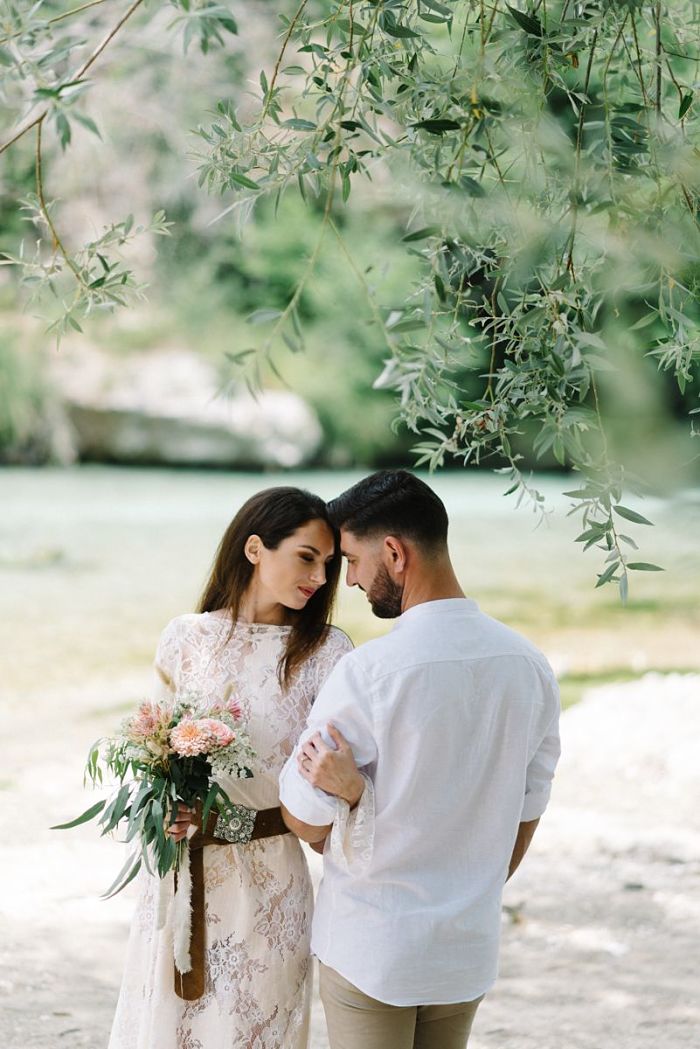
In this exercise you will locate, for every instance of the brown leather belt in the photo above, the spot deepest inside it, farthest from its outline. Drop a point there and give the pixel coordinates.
(268, 824)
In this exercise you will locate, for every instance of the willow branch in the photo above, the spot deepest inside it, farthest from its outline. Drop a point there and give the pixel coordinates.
(57, 18)
(639, 68)
(79, 74)
(76, 11)
(292, 26)
(58, 243)
(606, 463)
(577, 171)
(657, 19)
(363, 282)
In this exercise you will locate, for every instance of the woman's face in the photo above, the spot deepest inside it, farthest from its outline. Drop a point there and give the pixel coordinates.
(292, 573)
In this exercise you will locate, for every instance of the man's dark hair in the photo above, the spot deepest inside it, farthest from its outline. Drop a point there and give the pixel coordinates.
(392, 502)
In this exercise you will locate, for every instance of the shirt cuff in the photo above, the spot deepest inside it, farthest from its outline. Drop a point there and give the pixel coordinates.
(305, 802)
(534, 806)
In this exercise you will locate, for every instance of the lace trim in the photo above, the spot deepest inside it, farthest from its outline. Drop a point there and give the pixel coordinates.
(352, 834)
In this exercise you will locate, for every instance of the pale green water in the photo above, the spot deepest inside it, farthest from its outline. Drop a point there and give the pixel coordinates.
(95, 560)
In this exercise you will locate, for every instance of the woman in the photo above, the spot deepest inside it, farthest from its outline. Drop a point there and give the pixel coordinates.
(261, 635)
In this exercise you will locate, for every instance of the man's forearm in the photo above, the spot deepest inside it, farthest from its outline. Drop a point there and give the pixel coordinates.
(522, 844)
(306, 831)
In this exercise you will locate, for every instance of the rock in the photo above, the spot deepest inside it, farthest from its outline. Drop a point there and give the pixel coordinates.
(47, 437)
(168, 406)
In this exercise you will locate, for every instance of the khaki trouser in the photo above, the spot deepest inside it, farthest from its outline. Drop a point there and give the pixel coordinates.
(356, 1021)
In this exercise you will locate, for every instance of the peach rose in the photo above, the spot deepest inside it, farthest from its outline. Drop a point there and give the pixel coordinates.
(221, 735)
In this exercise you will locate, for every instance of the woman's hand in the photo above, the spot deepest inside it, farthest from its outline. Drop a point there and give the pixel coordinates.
(332, 770)
(181, 824)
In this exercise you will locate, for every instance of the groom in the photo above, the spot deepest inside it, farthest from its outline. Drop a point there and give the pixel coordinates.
(452, 719)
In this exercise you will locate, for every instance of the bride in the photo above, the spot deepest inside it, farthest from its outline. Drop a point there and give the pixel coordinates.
(261, 637)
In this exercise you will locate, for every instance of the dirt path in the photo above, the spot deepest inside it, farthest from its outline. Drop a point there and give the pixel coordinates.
(601, 925)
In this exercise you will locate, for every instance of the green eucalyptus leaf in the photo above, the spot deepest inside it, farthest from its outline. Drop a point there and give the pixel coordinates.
(89, 814)
(128, 871)
(122, 884)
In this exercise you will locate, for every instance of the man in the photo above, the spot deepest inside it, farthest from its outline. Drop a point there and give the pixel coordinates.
(452, 719)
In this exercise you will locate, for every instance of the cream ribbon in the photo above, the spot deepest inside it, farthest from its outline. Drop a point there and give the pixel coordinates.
(179, 900)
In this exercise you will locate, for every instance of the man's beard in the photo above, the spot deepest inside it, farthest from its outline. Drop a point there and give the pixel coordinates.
(384, 595)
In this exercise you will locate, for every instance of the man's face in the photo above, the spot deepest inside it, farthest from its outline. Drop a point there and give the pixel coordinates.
(367, 568)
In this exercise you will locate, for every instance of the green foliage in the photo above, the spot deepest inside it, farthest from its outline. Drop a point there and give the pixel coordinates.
(546, 159)
(43, 73)
(95, 278)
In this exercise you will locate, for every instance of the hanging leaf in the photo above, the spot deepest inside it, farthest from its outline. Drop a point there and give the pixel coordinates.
(529, 23)
(437, 126)
(89, 814)
(422, 234)
(243, 180)
(607, 575)
(297, 124)
(686, 103)
(631, 515)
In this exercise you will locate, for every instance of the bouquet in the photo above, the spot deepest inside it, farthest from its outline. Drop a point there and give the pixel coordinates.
(165, 754)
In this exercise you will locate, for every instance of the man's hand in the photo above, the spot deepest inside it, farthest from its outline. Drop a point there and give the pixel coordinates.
(332, 770)
(522, 844)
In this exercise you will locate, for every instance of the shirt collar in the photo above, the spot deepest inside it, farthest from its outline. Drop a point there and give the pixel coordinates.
(464, 605)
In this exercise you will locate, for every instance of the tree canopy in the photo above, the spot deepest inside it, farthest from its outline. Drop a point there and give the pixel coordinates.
(545, 156)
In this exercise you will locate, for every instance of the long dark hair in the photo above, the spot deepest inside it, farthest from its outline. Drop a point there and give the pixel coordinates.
(274, 514)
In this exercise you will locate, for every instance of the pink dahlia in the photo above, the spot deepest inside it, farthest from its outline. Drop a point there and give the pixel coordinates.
(190, 738)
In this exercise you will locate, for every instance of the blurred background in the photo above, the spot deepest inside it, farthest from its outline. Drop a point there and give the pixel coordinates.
(123, 446)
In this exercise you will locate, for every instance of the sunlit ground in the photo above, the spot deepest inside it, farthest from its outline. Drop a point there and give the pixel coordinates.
(95, 561)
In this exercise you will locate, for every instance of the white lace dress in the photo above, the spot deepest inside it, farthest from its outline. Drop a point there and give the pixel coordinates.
(258, 897)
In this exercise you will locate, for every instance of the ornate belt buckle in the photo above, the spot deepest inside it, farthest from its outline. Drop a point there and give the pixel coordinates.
(236, 825)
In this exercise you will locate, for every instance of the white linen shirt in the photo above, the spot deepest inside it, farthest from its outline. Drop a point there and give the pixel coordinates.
(453, 717)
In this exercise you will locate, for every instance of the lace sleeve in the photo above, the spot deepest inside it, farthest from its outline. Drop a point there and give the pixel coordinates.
(352, 833)
(165, 666)
(336, 645)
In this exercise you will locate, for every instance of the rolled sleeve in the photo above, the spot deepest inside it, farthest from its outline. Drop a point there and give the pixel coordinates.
(305, 802)
(540, 771)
